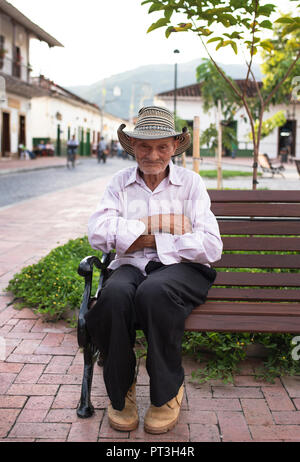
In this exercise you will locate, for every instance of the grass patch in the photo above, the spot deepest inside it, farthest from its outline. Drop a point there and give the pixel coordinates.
(225, 173)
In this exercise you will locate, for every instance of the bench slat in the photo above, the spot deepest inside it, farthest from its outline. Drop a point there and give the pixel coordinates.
(257, 279)
(218, 293)
(224, 323)
(269, 227)
(258, 261)
(255, 209)
(261, 243)
(245, 309)
(254, 196)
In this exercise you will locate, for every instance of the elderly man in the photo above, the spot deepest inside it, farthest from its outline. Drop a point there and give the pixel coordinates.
(157, 216)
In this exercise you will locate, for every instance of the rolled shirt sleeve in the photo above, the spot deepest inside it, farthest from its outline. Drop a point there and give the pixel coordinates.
(108, 230)
(204, 244)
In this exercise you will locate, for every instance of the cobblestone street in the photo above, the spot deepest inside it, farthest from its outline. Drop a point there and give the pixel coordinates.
(18, 186)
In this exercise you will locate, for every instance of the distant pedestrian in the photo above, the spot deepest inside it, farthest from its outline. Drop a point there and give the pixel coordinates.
(119, 150)
(72, 151)
(114, 148)
(102, 151)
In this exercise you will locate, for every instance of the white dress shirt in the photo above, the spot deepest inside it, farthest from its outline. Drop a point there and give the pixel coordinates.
(116, 225)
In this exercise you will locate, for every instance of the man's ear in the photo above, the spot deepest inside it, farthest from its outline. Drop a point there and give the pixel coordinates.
(176, 143)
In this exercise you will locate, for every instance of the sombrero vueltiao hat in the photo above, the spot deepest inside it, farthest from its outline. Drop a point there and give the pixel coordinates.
(154, 123)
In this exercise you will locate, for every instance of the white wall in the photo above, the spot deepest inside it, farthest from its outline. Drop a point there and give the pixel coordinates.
(45, 121)
(187, 108)
(74, 115)
(24, 109)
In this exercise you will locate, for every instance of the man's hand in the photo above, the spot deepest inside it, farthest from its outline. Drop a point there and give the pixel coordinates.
(167, 223)
(141, 243)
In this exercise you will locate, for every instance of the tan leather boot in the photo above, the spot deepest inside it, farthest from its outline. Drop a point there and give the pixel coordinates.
(127, 419)
(163, 418)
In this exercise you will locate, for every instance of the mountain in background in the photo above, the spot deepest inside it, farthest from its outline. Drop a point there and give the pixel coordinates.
(139, 85)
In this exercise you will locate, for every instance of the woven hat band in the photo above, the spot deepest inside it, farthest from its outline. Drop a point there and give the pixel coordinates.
(155, 116)
(159, 128)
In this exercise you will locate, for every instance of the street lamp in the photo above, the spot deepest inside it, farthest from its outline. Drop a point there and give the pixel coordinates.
(175, 87)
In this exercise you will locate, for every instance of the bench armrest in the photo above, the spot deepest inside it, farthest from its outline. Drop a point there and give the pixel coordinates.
(85, 269)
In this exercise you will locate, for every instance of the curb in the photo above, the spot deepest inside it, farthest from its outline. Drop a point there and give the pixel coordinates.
(22, 170)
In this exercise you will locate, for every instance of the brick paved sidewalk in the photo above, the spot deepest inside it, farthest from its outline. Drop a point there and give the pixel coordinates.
(17, 165)
(40, 378)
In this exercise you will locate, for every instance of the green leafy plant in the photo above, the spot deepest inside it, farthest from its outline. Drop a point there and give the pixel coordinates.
(209, 137)
(268, 125)
(52, 286)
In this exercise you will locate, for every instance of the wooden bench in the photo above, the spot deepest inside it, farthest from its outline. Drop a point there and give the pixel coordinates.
(268, 166)
(243, 301)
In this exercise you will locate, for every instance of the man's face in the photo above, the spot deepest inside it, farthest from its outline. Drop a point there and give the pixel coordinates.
(153, 156)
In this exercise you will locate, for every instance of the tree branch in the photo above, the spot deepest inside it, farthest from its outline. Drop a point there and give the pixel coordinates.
(252, 48)
(266, 102)
(235, 90)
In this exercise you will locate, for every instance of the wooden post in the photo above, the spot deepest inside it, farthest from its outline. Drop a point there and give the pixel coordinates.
(184, 160)
(196, 144)
(219, 157)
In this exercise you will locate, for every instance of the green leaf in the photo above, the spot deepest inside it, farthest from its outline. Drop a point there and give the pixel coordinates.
(266, 24)
(169, 31)
(160, 23)
(267, 45)
(290, 28)
(219, 45)
(168, 12)
(284, 20)
(214, 39)
(234, 47)
(266, 10)
(155, 7)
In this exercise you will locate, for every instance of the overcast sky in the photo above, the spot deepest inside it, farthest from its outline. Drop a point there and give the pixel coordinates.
(106, 37)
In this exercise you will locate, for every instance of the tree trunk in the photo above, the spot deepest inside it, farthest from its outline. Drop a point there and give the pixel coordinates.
(255, 164)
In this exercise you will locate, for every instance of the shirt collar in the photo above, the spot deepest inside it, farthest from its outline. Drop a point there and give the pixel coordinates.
(172, 177)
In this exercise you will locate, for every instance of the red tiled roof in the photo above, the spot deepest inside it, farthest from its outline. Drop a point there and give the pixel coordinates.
(194, 90)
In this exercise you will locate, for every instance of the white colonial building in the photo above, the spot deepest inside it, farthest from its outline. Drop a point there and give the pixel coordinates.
(16, 89)
(189, 104)
(59, 114)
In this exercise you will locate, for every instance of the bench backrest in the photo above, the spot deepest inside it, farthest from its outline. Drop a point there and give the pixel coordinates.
(253, 224)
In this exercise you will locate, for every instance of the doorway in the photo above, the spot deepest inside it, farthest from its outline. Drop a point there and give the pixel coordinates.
(287, 140)
(22, 130)
(5, 136)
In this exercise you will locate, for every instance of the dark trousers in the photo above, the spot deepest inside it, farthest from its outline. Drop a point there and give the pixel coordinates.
(158, 304)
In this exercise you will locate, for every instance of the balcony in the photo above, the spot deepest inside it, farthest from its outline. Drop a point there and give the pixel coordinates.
(15, 68)
(18, 80)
